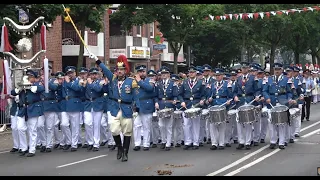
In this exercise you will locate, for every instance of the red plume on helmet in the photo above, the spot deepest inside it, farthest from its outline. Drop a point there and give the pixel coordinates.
(123, 58)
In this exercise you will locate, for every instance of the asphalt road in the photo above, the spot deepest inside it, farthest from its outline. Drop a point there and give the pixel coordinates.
(299, 159)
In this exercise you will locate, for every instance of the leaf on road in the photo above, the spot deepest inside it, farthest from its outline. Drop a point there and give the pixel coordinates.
(164, 172)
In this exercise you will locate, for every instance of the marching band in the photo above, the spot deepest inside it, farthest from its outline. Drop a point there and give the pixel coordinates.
(153, 108)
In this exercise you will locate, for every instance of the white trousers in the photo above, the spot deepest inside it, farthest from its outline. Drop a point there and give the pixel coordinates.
(297, 123)
(228, 132)
(41, 136)
(165, 125)
(29, 126)
(177, 130)
(58, 135)
(80, 130)
(202, 130)
(71, 133)
(234, 129)
(110, 137)
(191, 128)
(218, 133)
(103, 128)
(277, 131)
(264, 127)
(50, 119)
(256, 129)
(208, 130)
(244, 133)
(92, 121)
(143, 121)
(15, 132)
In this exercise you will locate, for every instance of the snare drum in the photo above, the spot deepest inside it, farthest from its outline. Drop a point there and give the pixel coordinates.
(298, 112)
(218, 114)
(246, 114)
(192, 113)
(205, 114)
(264, 112)
(292, 112)
(232, 114)
(177, 115)
(165, 113)
(279, 115)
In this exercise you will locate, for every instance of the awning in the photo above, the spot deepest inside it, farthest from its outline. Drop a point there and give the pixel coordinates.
(171, 63)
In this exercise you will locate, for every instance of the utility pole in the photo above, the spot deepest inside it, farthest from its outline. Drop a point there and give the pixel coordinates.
(159, 60)
(189, 56)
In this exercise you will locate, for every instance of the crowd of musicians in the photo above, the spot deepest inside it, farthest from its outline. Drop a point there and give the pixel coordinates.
(156, 108)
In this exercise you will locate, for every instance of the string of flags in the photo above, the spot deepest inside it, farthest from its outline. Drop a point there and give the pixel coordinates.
(256, 15)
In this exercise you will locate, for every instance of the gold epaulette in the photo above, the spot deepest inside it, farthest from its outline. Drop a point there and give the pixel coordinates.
(114, 77)
(134, 84)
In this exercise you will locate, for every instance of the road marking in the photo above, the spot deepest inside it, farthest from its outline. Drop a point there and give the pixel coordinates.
(4, 152)
(77, 162)
(265, 156)
(254, 153)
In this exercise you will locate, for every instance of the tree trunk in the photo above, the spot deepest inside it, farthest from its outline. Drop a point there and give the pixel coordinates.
(81, 48)
(296, 57)
(272, 55)
(314, 59)
(243, 49)
(261, 56)
(175, 62)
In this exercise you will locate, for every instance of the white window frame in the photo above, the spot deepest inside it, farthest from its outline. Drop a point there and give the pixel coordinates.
(151, 26)
(139, 33)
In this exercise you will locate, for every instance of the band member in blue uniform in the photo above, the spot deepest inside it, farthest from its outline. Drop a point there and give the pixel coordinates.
(191, 93)
(208, 80)
(14, 125)
(30, 108)
(277, 90)
(93, 109)
(83, 75)
(244, 92)
(218, 94)
(71, 106)
(145, 108)
(298, 84)
(120, 104)
(58, 135)
(165, 99)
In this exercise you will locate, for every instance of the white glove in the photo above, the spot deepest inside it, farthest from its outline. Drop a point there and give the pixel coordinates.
(16, 98)
(34, 89)
(17, 90)
(92, 56)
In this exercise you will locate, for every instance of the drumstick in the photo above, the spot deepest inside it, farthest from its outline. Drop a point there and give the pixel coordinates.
(225, 102)
(271, 105)
(253, 100)
(233, 106)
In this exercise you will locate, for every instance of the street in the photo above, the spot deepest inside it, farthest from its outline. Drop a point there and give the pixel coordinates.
(299, 159)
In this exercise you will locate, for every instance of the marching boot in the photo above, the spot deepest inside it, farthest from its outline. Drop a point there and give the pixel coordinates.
(117, 140)
(126, 145)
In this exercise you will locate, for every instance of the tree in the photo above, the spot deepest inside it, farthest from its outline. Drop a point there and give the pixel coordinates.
(86, 15)
(176, 20)
(48, 11)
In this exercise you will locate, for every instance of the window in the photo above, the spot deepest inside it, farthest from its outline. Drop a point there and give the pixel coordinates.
(151, 30)
(138, 31)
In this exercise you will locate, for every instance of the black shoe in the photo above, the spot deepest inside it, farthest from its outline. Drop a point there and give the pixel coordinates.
(201, 144)
(38, 147)
(14, 150)
(281, 147)
(125, 155)
(30, 154)
(20, 151)
(209, 141)
(61, 147)
(204, 139)
(251, 143)
(126, 145)
(90, 147)
(221, 147)
(277, 141)
(154, 146)
(248, 147)
(113, 147)
(43, 149)
(163, 145)
(66, 147)
(195, 147)
(23, 153)
(110, 146)
(182, 143)
(167, 149)
(178, 145)
(262, 141)
(296, 135)
(255, 144)
(103, 143)
(95, 149)
(307, 119)
(272, 146)
(291, 141)
(79, 145)
(235, 141)
(171, 145)
(56, 146)
(285, 144)
(48, 150)
(159, 141)
(85, 146)
(137, 148)
(146, 148)
(213, 147)
(120, 152)
(240, 146)
(73, 149)
(228, 145)
(186, 147)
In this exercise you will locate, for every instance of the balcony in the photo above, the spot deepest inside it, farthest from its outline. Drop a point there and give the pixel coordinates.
(70, 37)
(122, 42)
